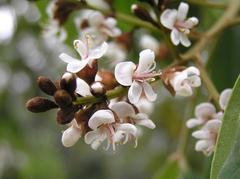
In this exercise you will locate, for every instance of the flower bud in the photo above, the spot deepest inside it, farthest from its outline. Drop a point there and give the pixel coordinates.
(107, 79)
(39, 104)
(141, 13)
(62, 98)
(88, 73)
(66, 115)
(46, 85)
(68, 82)
(97, 89)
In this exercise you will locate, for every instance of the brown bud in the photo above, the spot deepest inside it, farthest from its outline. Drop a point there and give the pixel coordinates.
(88, 73)
(46, 85)
(142, 13)
(66, 115)
(62, 98)
(108, 79)
(68, 82)
(39, 104)
(84, 24)
(97, 89)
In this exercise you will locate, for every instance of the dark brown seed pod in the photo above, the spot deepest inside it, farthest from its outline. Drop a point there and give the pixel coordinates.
(88, 73)
(46, 85)
(108, 80)
(97, 89)
(68, 82)
(62, 98)
(39, 104)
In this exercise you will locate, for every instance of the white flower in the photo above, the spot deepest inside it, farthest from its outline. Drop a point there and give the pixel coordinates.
(82, 88)
(176, 21)
(128, 74)
(224, 97)
(204, 112)
(71, 135)
(149, 42)
(182, 82)
(145, 106)
(87, 52)
(207, 136)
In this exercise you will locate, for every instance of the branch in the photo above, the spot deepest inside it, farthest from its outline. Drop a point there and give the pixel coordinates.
(208, 4)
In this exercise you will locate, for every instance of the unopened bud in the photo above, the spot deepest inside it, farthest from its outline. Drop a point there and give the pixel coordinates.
(88, 73)
(39, 104)
(62, 98)
(65, 116)
(97, 89)
(141, 13)
(68, 82)
(108, 79)
(46, 85)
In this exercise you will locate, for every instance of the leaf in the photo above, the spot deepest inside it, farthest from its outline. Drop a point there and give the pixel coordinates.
(228, 132)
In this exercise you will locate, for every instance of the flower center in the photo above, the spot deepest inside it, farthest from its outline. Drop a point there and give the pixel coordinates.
(182, 27)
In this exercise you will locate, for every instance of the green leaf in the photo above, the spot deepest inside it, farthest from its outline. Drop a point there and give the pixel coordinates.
(228, 132)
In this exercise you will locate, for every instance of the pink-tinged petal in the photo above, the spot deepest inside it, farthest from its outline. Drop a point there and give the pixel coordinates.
(134, 92)
(205, 111)
(168, 18)
(146, 61)
(83, 88)
(224, 97)
(81, 48)
(182, 11)
(143, 120)
(202, 145)
(191, 71)
(76, 66)
(123, 109)
(101, 117)
(184, 40)
(67, 59)
(70, 136)
(191, 123)
(97, 52)
(96, 19)
(175, 36)
(127, 128)
(201, 134)
(191, 22)
(148, 91)
(124, 73)
(213, 125)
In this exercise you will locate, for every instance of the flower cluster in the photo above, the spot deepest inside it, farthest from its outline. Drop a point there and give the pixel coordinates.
(209, 121)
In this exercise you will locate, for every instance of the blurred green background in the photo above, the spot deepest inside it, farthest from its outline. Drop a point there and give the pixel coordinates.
(30, 144)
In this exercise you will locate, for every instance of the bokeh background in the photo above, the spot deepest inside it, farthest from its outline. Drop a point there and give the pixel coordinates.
(30, 144)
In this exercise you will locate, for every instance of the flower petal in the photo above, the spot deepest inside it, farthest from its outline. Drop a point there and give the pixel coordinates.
(213, 125)
(191, 71)
(81, 48)
(143, 120)
(146, 61)
(224, 97)
(124, 73)
(83, 88)
(201, 134)
(127, 128)
(148, 91)
(76, 66)
(101, 117)
(123, 109)
(205, 111)
(191, 22)
(96, 18)
(175, 36)
(168, 18)
(134, 92)
(184, 40)
(91, 136)
(191, 123)
(67, 59)
(182, 11)
(202, 145)
(70, 136)
(98, 52)
(194, 81)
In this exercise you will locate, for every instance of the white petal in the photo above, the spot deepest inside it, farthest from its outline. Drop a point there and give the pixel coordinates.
(67, 59)
(143, 120)
(91, 136)
(184, 90)
(96, 18)
(147, 41)
(145, 106)
(110, 22)
(201, 134)
(191, 22)
(76, 66)
(205, 111)
(134, 92)
(98, 52)
(70, 136)
(191, 123)
(213, 125)
(146, 61)
(118, 136)
(202, 145)
(191, 71)
(184, 40)
(81, 48)
(128, 128)
(175, 36)
(124, 73)
(168, 18)
(101, 117)
(148, 91)
(182, 11)
(194, 81)
(123, 109)
(83, 88)
(224, 97)
(99, 4)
